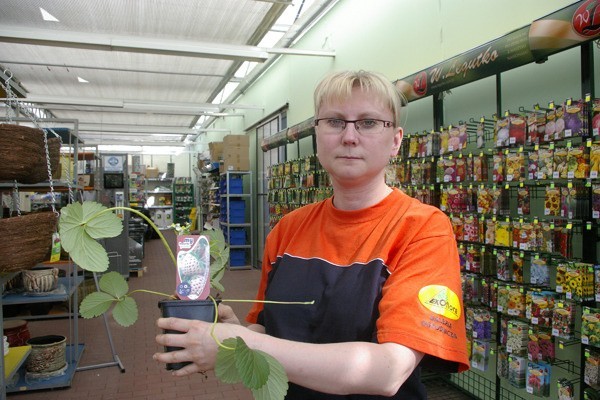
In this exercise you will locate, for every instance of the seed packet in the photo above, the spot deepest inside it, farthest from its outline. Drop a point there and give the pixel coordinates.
(480, 169)
(595, 160)
(444, 138)
(517, 338)
(538, 379)
(503, 271)
(540, 346)
(482, 325)
(591, 374)
(578, 162)
(536, 122)
(532, 165)
(596, 117)
(516, 130)
(566, 389)
(454, 143)
(498, 168)
(539, 272)
(502, 135)
(552, 201)
(590, 326)
(515, 167)
(563, 319)
(480, 355)
(523, 201)
(517, 268)
(542, 307)
(502, 363)
(193, 267)
(574, 119)
(545, 164)
(560, 163)
(484, 200)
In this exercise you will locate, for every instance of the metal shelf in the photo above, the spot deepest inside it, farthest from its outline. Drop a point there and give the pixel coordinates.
(21, 382)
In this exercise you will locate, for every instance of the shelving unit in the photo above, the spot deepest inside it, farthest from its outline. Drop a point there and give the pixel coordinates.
(159, 200)
(183, 199)
(12, 368)
(207, 195)
(236, 213)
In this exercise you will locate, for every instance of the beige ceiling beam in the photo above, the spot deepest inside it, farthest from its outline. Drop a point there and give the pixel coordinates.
(87, 40)
(143, 105)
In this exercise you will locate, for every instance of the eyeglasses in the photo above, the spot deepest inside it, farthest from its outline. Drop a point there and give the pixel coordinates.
(368, 126)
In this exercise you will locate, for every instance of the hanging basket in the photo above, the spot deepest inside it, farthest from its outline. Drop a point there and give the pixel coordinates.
(23, 154)
(25, 240)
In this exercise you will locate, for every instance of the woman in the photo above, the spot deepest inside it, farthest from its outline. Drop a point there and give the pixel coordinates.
(381, 267)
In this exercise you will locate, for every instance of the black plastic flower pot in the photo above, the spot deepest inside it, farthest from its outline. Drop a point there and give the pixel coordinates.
(202, 310)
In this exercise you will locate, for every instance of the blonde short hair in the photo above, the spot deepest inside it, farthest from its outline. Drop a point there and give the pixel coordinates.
(338, 87)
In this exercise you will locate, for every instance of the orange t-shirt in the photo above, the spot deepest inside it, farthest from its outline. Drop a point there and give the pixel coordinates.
(387, 273)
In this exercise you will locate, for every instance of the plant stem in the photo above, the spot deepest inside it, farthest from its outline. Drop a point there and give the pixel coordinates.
(149, 221)
(151, 292)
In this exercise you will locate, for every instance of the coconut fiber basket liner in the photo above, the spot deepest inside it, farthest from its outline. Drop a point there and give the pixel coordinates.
(26, 240)
(23, 154)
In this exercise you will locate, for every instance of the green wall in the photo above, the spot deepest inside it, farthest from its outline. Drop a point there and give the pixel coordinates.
(394, 37)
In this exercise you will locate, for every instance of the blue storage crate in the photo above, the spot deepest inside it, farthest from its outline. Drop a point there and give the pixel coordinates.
(237, 257)
(237, 237)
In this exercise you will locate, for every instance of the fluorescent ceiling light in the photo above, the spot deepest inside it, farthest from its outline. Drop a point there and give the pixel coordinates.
(47, 16)
(81, 80)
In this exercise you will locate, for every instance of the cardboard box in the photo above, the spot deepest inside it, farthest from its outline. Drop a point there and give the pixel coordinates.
(151, 172)
(235, 152)
(235, 163)
(85, 180)
(216, 151)
(236, 140)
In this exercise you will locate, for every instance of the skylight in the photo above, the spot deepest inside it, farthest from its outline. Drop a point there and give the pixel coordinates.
(47, 16)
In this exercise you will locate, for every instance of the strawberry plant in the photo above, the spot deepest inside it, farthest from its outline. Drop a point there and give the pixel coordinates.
(80, 227)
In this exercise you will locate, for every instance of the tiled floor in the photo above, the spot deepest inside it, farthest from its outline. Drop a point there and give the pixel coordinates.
(143, 378)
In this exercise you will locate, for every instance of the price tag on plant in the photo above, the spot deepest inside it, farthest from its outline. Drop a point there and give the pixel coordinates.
(193, 267)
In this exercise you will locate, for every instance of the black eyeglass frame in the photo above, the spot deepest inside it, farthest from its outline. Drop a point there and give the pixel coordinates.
(386, 124)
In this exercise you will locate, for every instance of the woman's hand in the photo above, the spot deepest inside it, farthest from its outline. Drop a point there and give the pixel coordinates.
(226, 315)
(195, 340)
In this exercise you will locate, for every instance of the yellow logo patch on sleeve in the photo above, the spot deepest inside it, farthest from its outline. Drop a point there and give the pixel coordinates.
(440, 300)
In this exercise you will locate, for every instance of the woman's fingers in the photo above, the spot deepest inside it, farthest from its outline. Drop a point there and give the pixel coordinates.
(227, 315)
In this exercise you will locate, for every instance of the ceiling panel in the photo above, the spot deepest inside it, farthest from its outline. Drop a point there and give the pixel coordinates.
(154, 71)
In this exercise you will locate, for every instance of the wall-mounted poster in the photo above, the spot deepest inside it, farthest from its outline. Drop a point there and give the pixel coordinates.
(113, 163)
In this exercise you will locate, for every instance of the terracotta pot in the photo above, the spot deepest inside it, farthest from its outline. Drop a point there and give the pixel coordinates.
(202, 310)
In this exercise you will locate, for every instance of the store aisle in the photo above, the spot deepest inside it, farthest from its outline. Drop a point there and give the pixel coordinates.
(143, 378)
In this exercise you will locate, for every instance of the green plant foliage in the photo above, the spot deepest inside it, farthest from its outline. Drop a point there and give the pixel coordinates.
(225, 368)
(277, 383)
(253, 367)
(80, 225)
(219, 254)
(114, 284)
(259, 372)
(125, 312)
(95, 304)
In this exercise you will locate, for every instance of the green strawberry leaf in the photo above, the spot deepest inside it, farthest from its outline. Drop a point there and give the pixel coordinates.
(95, 304)
(225, 368)
(125, 312)
(251, 365)
(80, 225)
(114, 284)
(277, 384)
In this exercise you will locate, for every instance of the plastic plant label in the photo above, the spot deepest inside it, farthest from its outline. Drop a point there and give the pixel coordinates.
(56, 247)
(193, 267)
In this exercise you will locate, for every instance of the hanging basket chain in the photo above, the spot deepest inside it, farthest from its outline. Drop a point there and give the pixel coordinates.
(17, 199)
(12, 99)
(50, 180)
(9, 95)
